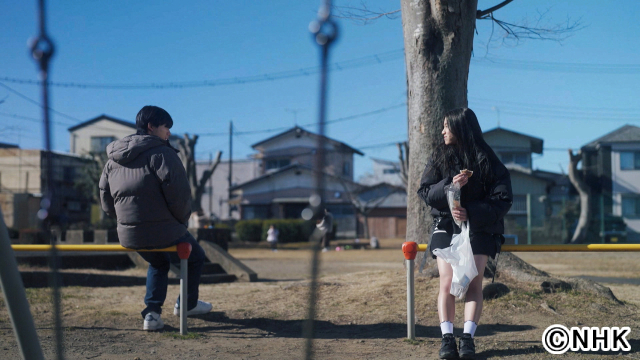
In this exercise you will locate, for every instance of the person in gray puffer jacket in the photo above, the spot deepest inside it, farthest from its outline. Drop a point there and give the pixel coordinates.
(144, 185)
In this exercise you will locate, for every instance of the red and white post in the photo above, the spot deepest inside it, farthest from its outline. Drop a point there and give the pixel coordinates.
(184, 250)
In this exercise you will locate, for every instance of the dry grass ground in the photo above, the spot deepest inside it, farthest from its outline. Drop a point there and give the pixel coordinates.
(361, 312)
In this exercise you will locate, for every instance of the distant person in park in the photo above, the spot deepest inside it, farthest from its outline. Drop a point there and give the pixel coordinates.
(144, 185)
(272, 238)
(326, 226)
(486, 198)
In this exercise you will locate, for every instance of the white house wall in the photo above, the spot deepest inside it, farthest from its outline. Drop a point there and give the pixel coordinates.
(625, 182)
(80, 139)
(215, 201)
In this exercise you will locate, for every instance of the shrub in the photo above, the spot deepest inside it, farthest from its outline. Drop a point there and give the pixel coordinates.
(249, 230)
(221, 226)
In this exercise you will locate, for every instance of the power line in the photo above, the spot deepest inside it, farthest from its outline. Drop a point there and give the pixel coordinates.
(558, 67)
(282, 128)
(37, 103)
(338, 66)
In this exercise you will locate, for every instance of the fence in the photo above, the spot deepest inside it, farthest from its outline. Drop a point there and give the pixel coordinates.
(410, 249)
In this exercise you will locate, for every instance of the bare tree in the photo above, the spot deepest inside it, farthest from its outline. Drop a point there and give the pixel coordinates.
(584, 190)
(366, 198)
(187, 154)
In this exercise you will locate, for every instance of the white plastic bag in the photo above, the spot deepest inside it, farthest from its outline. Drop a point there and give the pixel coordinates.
(460, 256)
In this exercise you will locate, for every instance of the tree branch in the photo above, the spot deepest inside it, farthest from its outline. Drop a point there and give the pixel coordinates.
(207, 173)
(482, 13)
(362, 15)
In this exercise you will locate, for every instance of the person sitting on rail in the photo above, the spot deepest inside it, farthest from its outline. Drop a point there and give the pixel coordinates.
(144, 185)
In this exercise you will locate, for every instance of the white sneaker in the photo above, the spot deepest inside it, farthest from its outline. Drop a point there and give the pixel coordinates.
(152, 321)
(203, 307)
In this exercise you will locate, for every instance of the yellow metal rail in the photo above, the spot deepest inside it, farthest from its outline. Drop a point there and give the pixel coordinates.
(84, 248)
(562, 247)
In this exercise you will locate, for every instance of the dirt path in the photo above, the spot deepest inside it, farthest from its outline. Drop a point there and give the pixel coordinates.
(361, 312)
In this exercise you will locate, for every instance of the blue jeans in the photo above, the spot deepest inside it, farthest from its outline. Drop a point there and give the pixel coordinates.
(158, 275)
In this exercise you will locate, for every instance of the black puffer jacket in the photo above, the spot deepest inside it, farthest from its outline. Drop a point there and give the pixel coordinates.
(486, 204)
(144, 186)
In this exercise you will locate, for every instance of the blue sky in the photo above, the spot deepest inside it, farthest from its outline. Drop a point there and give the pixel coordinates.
(567, 94)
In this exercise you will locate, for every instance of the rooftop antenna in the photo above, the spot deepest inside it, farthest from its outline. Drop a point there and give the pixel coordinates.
(295, 115)
(498, 113)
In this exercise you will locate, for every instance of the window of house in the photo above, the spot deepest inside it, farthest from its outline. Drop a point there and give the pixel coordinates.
(520, 158)
(629, 160)
(391, 171)
(346, 168)
(277, 163)
(630, 205)
(99, 143)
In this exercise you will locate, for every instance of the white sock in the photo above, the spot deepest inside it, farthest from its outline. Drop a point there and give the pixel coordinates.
(446, 327)
(469, 327)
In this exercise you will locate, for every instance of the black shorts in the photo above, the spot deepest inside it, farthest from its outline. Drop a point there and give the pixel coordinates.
(481, 243)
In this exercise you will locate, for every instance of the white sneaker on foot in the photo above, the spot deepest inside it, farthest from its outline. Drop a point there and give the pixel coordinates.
(203, 307)
(152, 321)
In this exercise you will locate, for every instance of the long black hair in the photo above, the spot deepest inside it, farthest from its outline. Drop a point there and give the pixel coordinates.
(470, 150)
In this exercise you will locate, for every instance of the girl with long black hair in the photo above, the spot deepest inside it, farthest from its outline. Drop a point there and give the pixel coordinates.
(486, 198)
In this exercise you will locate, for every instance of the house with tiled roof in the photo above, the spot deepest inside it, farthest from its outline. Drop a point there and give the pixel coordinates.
(611, 167)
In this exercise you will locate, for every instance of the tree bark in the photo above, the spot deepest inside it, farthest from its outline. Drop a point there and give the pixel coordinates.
(438, 42)
(582, 229)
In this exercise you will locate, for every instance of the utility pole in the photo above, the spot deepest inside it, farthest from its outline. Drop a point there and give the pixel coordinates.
(230, 164)
(210, 187)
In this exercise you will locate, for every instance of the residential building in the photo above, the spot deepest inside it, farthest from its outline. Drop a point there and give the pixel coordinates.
(22, 184)
(384, 171)
(287, 179)
(546, 190)
(611, 166)
(94, 135)
(215, 200)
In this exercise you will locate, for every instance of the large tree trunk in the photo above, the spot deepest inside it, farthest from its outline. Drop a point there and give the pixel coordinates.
(582, 229)
(438, 41)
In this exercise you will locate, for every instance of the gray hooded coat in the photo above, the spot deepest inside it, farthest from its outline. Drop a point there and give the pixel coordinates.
(144, 185)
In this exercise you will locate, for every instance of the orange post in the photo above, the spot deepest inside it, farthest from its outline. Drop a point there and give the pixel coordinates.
(410, 249)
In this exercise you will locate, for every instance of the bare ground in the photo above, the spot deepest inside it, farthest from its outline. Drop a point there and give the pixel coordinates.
(361, 311)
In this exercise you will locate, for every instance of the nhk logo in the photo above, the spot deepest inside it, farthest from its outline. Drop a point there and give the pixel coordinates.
(557, 339)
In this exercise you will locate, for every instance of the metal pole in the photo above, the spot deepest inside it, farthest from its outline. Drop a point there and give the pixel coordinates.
(184, 251)
(42, 50)
(411, 316)
(16, 299)
(230, 165)
(529, 219)
(564, 220)
(602, 235)
(325, 32)
(183, 296)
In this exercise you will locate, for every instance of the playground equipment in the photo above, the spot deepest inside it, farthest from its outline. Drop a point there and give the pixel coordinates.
(410, 250)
